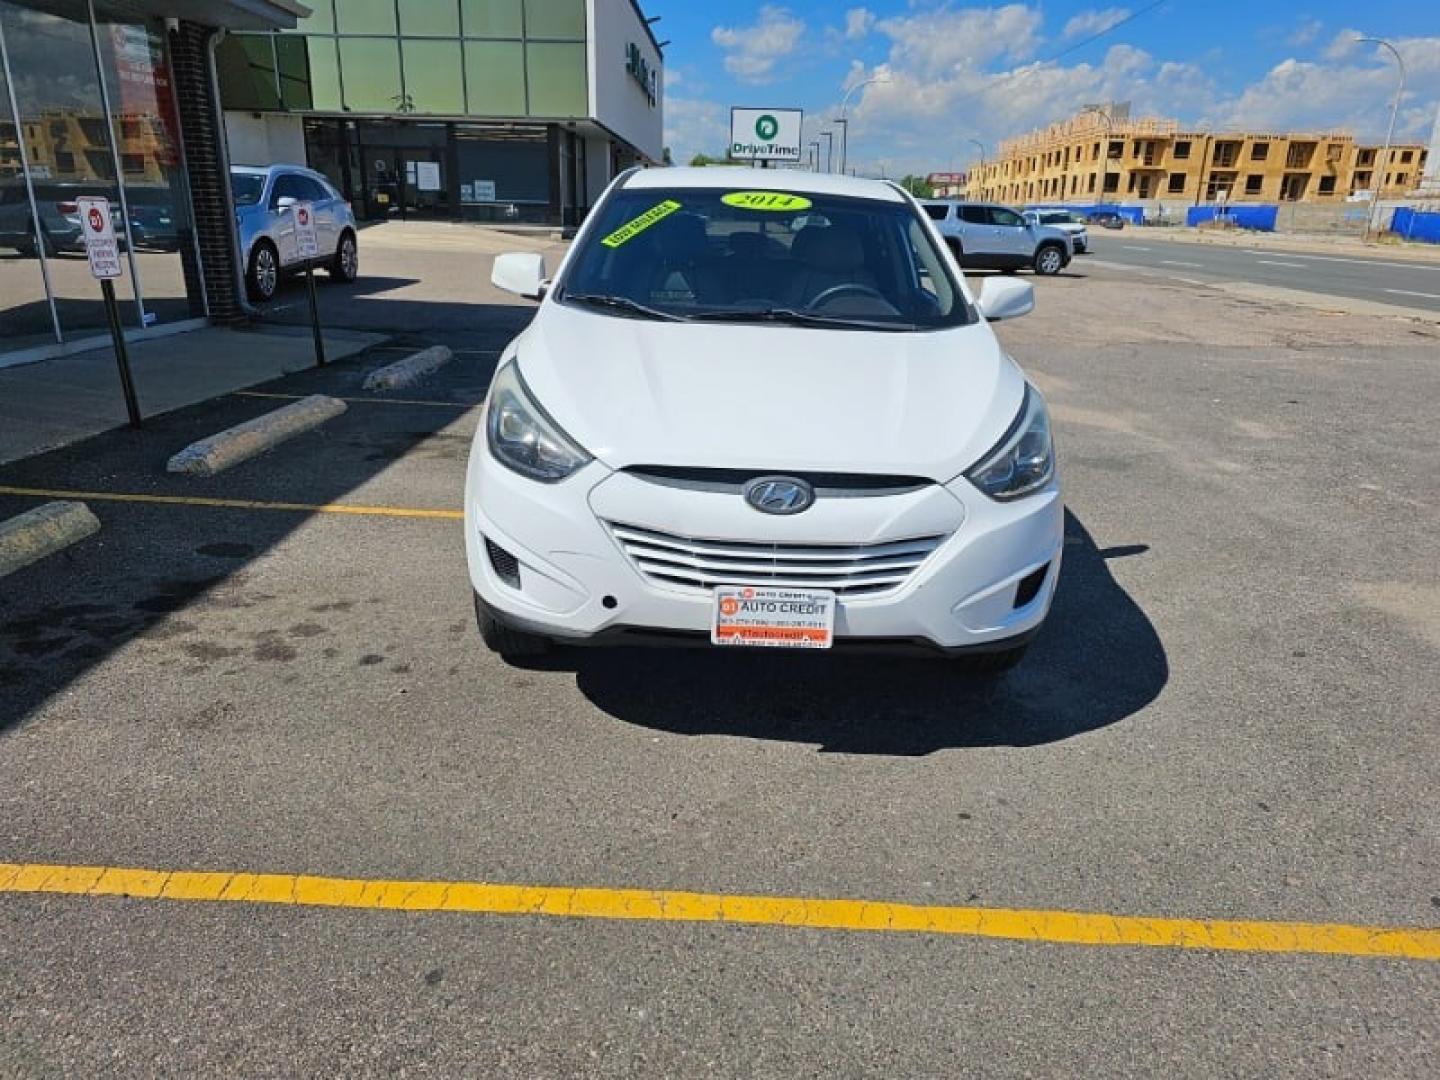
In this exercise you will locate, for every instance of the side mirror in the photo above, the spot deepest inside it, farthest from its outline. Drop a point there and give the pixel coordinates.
(520, 272)
(1005, 298)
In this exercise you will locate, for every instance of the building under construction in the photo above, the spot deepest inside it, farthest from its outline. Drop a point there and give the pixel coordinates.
(1102, 155)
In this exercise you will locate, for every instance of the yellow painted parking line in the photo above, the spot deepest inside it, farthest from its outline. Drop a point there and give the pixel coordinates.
(237, 504)
(645, 905)
(362, 400)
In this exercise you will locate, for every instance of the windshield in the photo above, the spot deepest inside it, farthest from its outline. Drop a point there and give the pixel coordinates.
(248, 187)
(1061, 217)
(742, 255)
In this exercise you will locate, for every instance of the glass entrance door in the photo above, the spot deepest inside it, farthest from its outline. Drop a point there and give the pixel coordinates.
(404, 170)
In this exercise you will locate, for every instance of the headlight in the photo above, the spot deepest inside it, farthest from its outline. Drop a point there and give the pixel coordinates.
(522, 437)
(1024, 459)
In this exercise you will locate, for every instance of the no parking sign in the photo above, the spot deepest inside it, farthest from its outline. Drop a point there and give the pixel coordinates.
(99, 231)
(307, 243)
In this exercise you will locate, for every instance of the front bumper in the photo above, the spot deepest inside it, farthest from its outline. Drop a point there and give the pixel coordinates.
(577, 583)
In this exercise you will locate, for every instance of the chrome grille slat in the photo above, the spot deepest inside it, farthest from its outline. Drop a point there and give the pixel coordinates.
(701, 564)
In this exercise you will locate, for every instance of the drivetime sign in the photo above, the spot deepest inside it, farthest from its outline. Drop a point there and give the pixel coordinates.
(765, 134)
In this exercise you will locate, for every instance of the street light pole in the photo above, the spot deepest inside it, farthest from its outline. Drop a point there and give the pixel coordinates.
(981, 145)
(1384, 162)
(829, 136)
(815, 155)
(844, 138)
(844, 104)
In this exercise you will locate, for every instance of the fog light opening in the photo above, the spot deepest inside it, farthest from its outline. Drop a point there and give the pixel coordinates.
(505, 565)
(1030, 585)
(609, 603)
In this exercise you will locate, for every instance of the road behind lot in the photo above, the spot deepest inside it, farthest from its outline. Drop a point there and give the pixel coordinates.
(1340, 272)
(1230, 715)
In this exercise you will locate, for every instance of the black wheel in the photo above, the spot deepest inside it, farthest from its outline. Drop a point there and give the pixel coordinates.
(346, 264)
(262, 277)
(1049, 260)
(499, 638)
(994, 663)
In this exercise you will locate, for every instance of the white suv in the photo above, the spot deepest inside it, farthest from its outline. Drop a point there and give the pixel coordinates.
(1065, 221)
(988, 236)
(761, 408)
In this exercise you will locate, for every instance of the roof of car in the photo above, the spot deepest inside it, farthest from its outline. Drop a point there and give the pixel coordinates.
(741, 177)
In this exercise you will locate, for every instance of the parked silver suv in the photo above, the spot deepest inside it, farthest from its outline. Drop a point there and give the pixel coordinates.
(988, 236)
(263, 198)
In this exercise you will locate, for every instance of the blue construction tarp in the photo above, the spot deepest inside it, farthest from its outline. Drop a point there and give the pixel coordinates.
(1258, 218)
(1415, 224)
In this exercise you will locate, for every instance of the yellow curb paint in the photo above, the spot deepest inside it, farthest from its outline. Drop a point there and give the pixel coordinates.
(237, 504)
(473, 897)
(363, 400)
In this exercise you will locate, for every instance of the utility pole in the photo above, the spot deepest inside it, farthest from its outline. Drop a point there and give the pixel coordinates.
(1384, 162)
(829, 136)
(844, 138)
(983, 193)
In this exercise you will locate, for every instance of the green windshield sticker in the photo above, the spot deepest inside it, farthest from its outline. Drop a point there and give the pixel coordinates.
(765, 200)
(632, 229)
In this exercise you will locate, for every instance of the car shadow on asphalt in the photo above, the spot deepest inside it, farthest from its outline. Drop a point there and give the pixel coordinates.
(1098, 661)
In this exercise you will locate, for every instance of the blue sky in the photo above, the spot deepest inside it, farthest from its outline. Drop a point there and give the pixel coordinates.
(954, 72)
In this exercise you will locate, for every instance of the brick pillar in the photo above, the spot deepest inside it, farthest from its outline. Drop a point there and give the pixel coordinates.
(201, 129)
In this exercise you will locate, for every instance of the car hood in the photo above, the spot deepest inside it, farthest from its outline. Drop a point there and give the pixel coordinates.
(638, 392)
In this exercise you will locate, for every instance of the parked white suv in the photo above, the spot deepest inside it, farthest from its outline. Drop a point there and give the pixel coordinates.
(993, 237)
(761, 408)
(1065, 221)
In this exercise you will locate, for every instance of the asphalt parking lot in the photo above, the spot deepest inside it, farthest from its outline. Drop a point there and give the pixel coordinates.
(1230, 716)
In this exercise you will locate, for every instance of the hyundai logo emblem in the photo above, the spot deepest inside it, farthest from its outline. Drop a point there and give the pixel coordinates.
(779, 494)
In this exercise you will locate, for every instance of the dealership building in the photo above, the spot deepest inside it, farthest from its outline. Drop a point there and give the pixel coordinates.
(472, 110)
(484, 110)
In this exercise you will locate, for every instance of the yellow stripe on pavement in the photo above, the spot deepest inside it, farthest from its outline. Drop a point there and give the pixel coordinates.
(473, 897)
(236, 504)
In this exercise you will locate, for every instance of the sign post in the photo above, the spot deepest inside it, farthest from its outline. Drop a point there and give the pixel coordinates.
(307, 248)
(104, 255)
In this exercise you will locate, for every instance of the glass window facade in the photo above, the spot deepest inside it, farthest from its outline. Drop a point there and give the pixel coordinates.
(463, 58)
(434, 80)
(93, 114)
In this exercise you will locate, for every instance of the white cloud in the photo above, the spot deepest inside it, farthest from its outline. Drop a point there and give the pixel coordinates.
(858, 22)
(694, 126)
(944, 39)
(751, 52)
(673, 77)
(1093, 22)
(1353, 91)
(1305, 32)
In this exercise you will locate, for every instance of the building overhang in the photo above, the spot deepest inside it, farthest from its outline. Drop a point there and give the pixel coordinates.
(230, 14)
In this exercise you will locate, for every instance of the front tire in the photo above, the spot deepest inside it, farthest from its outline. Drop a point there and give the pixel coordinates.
(1049, 260)
(262, 277)
(509, 644)
(345, 267)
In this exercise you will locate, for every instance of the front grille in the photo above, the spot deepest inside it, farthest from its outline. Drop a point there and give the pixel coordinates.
(827, 485)
(847, 569)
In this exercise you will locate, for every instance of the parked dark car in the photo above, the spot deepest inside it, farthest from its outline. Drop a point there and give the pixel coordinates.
(59, 218)
(1107, 219)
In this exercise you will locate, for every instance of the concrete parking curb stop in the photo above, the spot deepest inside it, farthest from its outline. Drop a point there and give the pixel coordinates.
(410, 370)
(243, 441)
(43, 531)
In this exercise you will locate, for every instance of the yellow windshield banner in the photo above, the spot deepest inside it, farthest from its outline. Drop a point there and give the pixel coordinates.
(765, 200)
(634, 228)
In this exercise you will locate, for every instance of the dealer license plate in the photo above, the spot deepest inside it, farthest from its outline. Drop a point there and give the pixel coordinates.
(773, 618)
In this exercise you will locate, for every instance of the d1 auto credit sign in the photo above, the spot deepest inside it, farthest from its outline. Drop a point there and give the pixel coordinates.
(99, 233)
(307, 243)
(765, 134)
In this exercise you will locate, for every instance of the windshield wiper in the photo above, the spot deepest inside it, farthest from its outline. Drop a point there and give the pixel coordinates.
(799, 318)
(622, 303)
